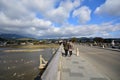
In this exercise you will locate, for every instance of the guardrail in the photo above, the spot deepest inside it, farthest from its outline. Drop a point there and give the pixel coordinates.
(52, 70)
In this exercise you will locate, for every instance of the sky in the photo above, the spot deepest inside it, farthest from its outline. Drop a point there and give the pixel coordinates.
(61, 18)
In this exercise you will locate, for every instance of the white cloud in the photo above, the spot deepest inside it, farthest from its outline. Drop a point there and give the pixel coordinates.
(83, 14)
(14, 9)
(110, 7)
(48, 11)
(20, 17)
(39, 5)
(69, 5)
(62, 12)
(29, 9)
(81, 30)
(58, 15)
(45, 29)
(32, 26)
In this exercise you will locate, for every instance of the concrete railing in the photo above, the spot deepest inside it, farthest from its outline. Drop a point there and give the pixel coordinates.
(52, 70)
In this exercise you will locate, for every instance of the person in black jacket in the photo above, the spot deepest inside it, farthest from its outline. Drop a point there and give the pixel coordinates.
(66, 47)
(70, 47)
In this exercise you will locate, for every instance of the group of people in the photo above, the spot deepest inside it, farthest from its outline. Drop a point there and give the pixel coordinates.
(68, 48)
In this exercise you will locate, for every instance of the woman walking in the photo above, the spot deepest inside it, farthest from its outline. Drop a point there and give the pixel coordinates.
(70, 48)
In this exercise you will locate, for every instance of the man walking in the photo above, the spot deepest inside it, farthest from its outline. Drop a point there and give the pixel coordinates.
(66, 47)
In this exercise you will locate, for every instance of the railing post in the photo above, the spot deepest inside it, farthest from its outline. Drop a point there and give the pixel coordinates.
(42, 63)
(53, 51)
(77, 52)
(103, 46)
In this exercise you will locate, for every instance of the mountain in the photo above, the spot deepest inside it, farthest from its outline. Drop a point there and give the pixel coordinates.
(11, 36)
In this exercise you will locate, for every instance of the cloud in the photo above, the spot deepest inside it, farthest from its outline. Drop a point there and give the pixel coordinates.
(29, 9)
(62, 12)
(15, 12)
(110, 7)
(23, 19)
(45, 29)
(18, 26)
(58, 15)
(69, 5)
(83, 14)
(102, 30)
(48, 10)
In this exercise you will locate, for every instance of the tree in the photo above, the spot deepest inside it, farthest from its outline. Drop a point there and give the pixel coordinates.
(74, 39)
(98, 39)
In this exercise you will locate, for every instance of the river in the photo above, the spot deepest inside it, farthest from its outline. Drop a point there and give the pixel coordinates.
(21, 65)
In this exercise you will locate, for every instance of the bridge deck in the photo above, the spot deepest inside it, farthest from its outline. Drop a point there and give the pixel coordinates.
(77, 68)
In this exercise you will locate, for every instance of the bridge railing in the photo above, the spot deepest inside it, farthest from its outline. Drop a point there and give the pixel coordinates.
(52, 70)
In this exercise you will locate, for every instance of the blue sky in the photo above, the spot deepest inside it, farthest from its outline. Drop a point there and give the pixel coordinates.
(61, 18)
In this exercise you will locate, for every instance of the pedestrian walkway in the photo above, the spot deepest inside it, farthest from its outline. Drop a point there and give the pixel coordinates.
(77, 68)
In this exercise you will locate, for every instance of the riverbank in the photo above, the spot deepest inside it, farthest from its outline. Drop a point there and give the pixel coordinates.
(23, 50)
(41, 46)
(28, 48)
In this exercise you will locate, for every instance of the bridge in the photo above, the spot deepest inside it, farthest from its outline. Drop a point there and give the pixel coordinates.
(86, 63)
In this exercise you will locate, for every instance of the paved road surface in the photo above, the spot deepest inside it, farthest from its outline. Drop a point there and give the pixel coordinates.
(106, 61)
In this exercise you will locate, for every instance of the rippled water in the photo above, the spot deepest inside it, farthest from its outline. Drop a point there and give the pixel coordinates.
(21, 65)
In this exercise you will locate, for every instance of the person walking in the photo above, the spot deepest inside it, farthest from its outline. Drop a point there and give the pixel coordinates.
(70, 48)
(66, 48)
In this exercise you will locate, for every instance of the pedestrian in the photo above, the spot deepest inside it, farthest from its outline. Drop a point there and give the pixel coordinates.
(66, 47)
(70, 48)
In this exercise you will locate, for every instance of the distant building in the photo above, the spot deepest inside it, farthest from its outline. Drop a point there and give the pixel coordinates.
(29, 43)
(22, 43)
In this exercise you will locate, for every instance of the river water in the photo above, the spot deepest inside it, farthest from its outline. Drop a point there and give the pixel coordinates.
(21, 65)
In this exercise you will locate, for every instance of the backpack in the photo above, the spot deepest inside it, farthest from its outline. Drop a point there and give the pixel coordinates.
(66, 46)
(70, 46)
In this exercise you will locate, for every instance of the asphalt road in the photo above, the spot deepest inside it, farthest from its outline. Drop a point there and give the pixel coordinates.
(107, 62)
